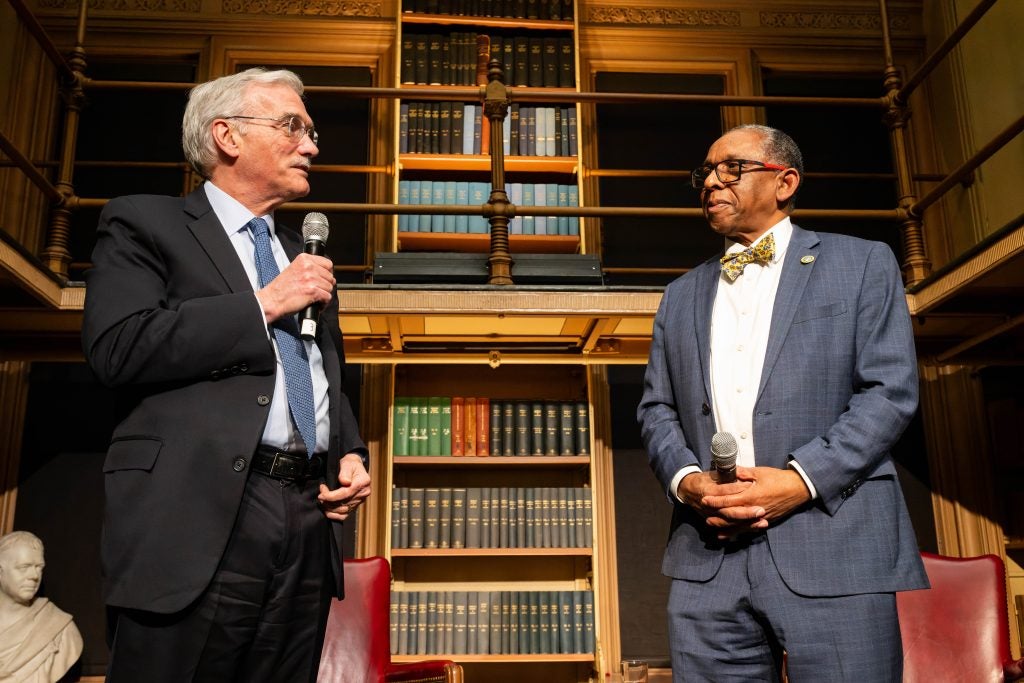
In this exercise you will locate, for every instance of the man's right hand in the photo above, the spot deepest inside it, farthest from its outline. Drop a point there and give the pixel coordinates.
(695, 488)
(307, 280)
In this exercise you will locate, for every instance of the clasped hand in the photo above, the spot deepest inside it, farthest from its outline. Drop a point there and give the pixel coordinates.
(354, 489)
(307, 280)
(759, 496)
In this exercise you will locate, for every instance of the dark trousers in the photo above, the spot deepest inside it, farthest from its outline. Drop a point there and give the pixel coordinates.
(261, 619)
(735, 626)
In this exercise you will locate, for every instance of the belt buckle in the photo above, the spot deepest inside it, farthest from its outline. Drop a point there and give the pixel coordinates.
(284, 466)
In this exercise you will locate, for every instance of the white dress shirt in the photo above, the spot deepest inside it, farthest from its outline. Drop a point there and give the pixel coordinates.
(280, 431)
(741, 320)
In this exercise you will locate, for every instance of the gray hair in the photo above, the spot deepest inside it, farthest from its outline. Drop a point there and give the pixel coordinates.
(9, 541)
(781, 149)
(222, 97)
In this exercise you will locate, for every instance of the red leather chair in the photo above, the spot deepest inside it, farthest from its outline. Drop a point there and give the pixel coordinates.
(357, 646)
(958, 630)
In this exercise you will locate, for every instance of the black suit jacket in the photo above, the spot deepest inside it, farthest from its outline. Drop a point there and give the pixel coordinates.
(171, 322)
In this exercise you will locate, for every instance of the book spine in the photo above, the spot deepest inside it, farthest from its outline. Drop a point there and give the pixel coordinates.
(469, 432)
(460, 645)
(483, 426)
(508, 428)
(473, 621)
(458, 427)
(536, 428)
(444, 527)
(416, 517)
(446, 426)
(394, 605)
(483, 630)
(458, 525)
(495, 427)
(396, 517)
(431, 517)
(473, 537)
(522, 428)
(485, 517)
(582, 428)
(550, 428)
(400, 431)
(433, 446)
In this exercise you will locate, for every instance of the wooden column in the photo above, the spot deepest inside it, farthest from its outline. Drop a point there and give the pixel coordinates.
(375, 402)
(960, 462)
(13, 398)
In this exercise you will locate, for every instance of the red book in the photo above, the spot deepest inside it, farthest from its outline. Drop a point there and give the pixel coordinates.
(458, 447)
(469, 426)
(483, 426)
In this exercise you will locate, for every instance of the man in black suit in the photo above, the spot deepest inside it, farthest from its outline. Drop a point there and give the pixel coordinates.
(225, 488)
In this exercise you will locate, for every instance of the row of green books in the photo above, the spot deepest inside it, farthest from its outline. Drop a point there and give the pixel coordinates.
(492, 517)
(480, 426)
(492, 622)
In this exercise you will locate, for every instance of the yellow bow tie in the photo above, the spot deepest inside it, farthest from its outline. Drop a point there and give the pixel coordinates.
(763, 252)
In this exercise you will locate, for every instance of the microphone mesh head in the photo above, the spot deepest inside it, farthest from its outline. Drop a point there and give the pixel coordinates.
(724, 448)
(314, 227)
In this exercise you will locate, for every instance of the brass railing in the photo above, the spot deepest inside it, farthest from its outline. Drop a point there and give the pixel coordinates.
(496, 98)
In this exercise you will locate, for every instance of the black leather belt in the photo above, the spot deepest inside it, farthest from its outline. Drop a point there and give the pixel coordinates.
(287, 466)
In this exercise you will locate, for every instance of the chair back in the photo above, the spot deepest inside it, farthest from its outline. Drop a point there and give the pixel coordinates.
(357, 645)
(958, 630)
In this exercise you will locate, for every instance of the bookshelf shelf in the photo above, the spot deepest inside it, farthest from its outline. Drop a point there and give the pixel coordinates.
(482, 163)
(481, 243)
(489, 552)
(526, 461)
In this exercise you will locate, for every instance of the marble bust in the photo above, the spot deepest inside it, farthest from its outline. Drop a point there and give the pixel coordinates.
(38, 642)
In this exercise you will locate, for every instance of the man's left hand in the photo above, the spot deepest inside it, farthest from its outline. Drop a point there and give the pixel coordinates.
(777, 491)
(354, 489)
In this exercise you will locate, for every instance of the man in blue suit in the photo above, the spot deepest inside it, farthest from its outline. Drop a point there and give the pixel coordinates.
(799, 345)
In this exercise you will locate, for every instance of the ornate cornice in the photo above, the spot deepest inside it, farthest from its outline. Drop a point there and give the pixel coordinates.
(177, 6)
(306, 8)
(841, 21)
(665, 16)
(278, 8)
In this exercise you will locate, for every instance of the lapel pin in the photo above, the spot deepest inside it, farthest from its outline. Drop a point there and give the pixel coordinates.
(806, 259)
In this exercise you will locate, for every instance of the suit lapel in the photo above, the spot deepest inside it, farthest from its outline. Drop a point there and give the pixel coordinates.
(706, 287)
(209, 232)
(795, 274)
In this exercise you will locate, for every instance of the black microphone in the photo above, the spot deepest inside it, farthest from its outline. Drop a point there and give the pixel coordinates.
(723, 456)
(314, 234)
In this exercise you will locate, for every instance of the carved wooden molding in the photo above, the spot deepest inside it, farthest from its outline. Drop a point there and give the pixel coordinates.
(667, 16)
(128, 6)
(305, 8)
(835, 21)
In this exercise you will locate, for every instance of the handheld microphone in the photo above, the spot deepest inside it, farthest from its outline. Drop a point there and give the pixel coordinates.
(723, 456)
(314, 235)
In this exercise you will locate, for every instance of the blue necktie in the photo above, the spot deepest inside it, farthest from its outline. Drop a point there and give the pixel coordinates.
(298, 382)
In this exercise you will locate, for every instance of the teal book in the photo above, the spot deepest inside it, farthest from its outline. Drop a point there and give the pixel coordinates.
(413, 224)
(394, 604)
(574, 200)
(472, 621)
(403, 198)
(427, 198)
(551, 199)
(431, 517)
(529, 222)
(416, 517)
(462, 199)
(565, 629)
(563, 201)
(473, 497)
(450, 192)
(478, 195)
(540, 198)
(437, 199)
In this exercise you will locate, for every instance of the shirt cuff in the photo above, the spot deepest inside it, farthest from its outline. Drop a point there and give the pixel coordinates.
(674, 491)
(793, 464)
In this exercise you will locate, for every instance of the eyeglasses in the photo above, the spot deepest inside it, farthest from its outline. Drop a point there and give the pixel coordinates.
(292, 126)
(729, 171)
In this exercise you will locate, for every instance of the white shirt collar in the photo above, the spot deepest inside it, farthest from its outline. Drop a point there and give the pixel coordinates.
(232, 215)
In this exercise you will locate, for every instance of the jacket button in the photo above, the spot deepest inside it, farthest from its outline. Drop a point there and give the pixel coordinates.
(263, 400)
(238, 465)
(705, 409)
